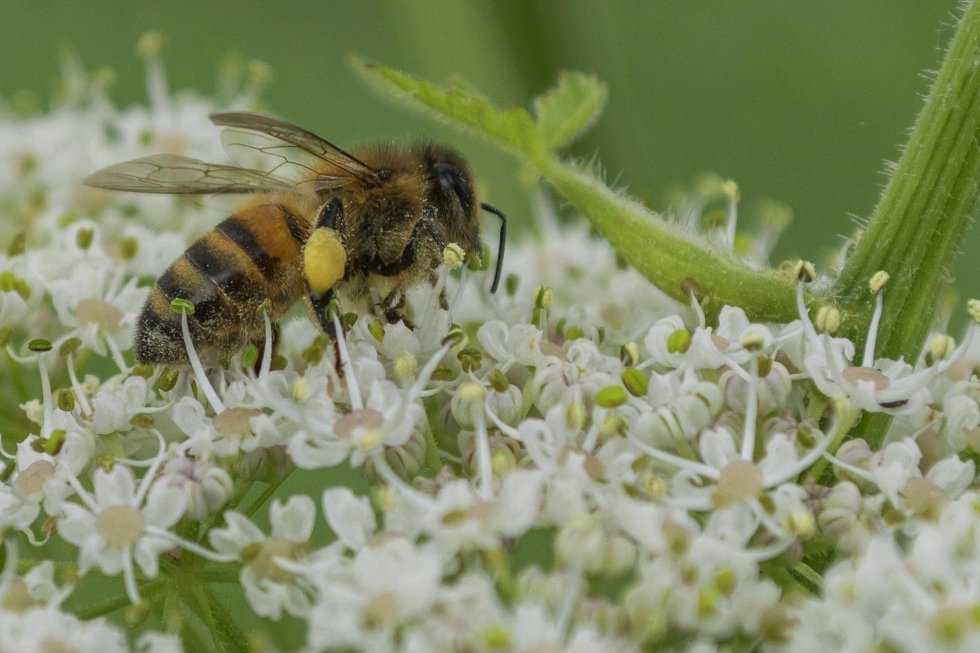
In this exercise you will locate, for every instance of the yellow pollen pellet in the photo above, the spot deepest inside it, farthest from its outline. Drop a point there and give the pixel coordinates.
(324, 260)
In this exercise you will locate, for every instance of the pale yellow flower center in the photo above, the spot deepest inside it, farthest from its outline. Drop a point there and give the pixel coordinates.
(120, 525)
(98, 312)
(262, 558)
(380, 610)
(739, 479)
(32, 479)
(53, 645)
(367, 418)
(235, 422)
(854, 374)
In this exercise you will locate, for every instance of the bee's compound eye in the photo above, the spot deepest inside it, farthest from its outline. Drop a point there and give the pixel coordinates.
(451, 178)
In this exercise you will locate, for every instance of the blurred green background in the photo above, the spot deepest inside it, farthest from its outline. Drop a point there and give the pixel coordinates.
(797, 101)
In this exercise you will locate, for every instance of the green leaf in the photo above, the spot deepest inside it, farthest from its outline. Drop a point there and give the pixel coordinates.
(569, 108)
(512, 128)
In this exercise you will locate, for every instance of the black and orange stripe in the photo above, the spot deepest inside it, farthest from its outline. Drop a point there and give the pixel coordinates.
(249, 257)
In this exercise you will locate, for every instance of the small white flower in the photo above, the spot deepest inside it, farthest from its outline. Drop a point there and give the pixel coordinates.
(50, 629)
(269, 586)
(120, 522)
(206, 485)
(363, 602)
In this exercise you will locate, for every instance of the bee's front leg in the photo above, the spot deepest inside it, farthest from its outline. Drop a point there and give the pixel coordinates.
(393, 308)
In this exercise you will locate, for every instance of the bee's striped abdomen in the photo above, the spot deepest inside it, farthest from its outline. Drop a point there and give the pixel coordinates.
(251, 256)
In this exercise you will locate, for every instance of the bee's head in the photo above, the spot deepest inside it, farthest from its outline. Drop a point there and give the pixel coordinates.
(456, 201)
(453, 193)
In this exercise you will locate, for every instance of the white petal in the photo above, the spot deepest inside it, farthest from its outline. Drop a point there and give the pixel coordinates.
(165, 505)
(349, 516)
(237, 534)
(294, 520)
(952, 475)
(518, 503)
(115, 487)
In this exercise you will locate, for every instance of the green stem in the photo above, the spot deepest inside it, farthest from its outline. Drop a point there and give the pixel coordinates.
(922, 215)
(265, 496)
(218, 575)
(925, 207)
(228, 630)
(809, 574)
(843, 427)
(432, 458)
(121, 601)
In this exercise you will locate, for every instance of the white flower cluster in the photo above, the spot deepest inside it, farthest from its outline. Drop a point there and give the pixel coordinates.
(579, 465)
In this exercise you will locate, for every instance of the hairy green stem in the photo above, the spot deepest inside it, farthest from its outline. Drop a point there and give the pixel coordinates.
(675, 261)
(923, 212)
(110, 605)
(915, 229)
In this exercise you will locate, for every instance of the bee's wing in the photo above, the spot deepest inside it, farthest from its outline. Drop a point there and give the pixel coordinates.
(180, 175)
(294, 152)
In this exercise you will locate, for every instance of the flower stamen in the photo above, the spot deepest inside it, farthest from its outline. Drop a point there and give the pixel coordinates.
(202, 380)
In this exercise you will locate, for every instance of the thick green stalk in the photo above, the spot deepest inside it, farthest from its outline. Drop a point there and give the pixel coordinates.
(923, 212)
(925, 208)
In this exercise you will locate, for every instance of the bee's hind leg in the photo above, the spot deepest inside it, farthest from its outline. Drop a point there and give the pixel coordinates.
(319, 307)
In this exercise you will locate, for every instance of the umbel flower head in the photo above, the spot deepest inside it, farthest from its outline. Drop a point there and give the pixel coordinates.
(576, 464)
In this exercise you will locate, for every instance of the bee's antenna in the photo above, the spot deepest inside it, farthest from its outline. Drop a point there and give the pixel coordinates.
(498, 270)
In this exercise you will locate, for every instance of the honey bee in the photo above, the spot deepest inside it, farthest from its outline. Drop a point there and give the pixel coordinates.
(321, 222)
